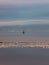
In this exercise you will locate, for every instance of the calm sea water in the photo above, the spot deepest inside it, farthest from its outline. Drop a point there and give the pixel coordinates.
(26, 12)
(30, 30)
(34, 11)
(24, 56)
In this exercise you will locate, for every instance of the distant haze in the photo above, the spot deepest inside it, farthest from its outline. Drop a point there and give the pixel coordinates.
(20, 2)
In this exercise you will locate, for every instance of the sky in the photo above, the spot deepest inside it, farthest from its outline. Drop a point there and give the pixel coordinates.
(20, 2)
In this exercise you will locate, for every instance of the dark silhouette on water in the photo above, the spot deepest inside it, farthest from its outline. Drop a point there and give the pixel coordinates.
(23, 32)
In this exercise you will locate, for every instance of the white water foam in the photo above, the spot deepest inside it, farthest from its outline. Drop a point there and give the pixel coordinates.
(23, 22)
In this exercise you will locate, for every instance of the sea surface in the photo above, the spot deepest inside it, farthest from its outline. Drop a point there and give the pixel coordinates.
(33, 19)
(25, 12)
(29, 30)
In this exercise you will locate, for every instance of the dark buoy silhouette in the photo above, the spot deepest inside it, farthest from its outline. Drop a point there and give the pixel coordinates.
(23, 32)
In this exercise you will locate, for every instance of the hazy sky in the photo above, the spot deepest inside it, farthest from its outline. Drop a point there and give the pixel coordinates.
(18, 2)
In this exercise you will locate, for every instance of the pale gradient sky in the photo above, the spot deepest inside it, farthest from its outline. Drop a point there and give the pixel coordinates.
(18, 2)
